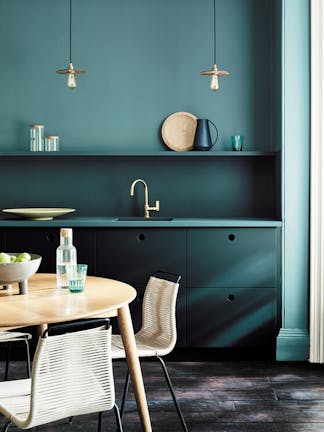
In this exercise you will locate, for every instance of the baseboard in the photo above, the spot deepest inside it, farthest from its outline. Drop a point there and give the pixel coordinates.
(292, 345)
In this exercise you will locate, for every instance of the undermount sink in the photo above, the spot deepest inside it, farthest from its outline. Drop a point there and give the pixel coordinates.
(141, 218)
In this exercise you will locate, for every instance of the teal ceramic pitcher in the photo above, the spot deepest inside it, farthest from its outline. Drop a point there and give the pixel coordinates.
(202, 140)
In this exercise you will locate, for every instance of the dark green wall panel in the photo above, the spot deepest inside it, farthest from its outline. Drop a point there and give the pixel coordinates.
(243, 187)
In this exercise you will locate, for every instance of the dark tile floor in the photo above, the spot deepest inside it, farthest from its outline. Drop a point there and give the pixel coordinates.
(226, 396)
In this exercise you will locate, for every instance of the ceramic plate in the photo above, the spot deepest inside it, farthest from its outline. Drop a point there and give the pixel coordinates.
(178, 131)
(39, 213)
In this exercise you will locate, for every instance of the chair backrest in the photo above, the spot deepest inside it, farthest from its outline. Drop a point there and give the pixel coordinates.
(159, 311)
(72, 375)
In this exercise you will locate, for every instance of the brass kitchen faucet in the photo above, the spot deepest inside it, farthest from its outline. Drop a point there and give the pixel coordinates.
(147, 207)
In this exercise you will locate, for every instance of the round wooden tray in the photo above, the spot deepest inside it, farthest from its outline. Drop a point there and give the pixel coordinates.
(178, 131)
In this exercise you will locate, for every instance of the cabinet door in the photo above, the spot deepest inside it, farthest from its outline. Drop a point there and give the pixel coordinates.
(44, 241)
(132, 255)
(2, 241)
(238, 257)
(231, 317)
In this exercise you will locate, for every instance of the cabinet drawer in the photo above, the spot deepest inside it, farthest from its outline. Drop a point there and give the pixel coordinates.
(238, 257)
(44, 241)
(231, 317)
(133, 254)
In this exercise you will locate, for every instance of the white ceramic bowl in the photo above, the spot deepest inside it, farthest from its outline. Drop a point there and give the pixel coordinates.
(19, 271)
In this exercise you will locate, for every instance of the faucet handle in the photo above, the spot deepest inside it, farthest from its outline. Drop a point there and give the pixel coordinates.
(156, 207)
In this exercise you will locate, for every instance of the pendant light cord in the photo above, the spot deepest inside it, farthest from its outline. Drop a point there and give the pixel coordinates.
(214, 31)
(70, 31)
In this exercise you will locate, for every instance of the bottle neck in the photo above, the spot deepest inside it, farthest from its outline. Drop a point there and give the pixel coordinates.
(66, 241)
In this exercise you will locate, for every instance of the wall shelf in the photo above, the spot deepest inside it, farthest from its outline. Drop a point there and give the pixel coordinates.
(156, 154)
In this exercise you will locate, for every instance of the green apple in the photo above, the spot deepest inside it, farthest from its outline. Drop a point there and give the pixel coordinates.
(13, 258)
(4, 258)
(24, 256)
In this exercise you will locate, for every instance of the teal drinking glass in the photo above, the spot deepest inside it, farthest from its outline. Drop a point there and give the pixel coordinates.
(76, 277)
(237, 142)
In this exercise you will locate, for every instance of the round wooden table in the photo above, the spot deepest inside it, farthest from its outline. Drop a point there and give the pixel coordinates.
(45, 304)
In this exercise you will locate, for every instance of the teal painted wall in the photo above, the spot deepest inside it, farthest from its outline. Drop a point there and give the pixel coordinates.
(293, 341)
(143, 61)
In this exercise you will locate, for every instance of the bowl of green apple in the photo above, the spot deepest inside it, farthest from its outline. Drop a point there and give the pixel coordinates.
(18, 268)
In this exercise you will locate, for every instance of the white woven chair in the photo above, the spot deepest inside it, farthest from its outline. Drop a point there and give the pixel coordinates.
(158, 333)
(71, 375)
(14, 336)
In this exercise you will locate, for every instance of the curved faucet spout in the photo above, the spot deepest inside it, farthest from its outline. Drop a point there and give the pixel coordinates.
(147, 207)
(132, 188)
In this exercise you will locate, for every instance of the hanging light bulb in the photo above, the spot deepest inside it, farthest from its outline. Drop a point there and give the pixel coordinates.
(71, 81)
(214, 72)
(214, 85)
(70, 71)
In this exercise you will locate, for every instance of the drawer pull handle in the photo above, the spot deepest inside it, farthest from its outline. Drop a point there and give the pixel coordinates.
(50, 237)
(231, 297)
(141, 237)
(231, 237)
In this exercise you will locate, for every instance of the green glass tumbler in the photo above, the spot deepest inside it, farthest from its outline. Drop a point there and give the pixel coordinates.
(237, 142)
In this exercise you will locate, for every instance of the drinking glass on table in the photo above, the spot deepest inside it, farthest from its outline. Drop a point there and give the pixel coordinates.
(76, 277)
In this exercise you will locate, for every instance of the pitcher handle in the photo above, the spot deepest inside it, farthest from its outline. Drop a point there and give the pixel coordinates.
(216, 132)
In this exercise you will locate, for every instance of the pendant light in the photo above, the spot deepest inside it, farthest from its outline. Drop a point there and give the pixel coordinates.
(70, 71)
(214, 73)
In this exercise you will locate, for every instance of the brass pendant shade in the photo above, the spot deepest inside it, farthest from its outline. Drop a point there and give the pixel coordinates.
(70, 71)
(214, 73)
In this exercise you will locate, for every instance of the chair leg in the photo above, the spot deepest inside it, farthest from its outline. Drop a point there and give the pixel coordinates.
(118, 418)
(167, 377)
(6, 426)
(27, 358)
(7, 361)
(125, 392)
(100, 422)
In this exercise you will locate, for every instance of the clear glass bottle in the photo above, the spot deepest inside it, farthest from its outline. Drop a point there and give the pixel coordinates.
(65, 254)
(37, 138)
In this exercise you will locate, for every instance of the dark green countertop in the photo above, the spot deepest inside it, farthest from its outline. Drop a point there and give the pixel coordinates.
(113, 222)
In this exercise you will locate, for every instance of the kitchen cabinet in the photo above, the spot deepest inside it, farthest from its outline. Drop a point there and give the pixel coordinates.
(134, 254)
(232, 287)
(229, 293)
(231, 317)
(44, 241)
(2, 240)
(233, 257)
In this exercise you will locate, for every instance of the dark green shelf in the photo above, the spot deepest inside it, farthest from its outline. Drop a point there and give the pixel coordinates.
(157, 154)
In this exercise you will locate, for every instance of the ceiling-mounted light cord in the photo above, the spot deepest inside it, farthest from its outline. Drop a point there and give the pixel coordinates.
(214, 73)
(70, 71)
(214, 31)
(70, 31)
